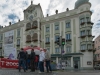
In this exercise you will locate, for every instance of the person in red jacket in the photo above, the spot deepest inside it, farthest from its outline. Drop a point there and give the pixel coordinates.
(36, 61)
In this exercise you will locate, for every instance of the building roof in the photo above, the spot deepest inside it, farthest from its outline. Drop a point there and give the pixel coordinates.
(80, 2)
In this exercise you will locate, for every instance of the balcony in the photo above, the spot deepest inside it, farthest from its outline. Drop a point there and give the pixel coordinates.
(82, 23)
(18, 45)
(28, 29)
(83, 50)
(28, 41)
(47, 43)
(90, 23)
(83, 36)
(34, 27)
(90, 50)
(34, 40)
(68, 40)
(0, 47)
(89, 35)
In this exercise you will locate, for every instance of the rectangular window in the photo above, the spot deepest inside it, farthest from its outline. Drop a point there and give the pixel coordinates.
(87, 19)
(48, 49)
(68, 25)
(0, 44)
(68, 49)
(88, 32)
(82, 33)
(18, 32)
(57, 50)
(89, 46)
(56, 37)
(47, 39)
(83, 47)
(1, 37)
(68, 37)
(56, 27)
(82, 20)
(18, 41)
(47, 29)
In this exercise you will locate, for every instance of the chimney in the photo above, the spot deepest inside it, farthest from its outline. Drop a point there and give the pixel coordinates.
(31, 2)
(19, 20)
(47, 15)
(9, 23)
(56, 11)
(67, 9)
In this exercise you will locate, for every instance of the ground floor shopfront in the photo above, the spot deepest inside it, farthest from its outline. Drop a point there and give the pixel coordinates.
(75, 60)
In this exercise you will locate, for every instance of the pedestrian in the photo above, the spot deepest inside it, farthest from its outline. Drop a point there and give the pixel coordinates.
(41, 60)
(36, 62)
(22, 58)
(32, 63)
(47, 60)
(26, 60)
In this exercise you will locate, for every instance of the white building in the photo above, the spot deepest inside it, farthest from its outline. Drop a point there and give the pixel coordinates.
(37, 30)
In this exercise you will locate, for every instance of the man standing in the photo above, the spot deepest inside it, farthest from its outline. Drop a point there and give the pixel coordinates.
(22, 58)
(32, 56)
(41, 60)
(47, 60)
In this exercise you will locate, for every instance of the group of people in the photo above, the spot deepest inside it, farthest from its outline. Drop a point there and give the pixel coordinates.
(33, 61)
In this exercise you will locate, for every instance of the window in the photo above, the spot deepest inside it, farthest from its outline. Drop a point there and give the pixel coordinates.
(82, 33)
(68, 25)
(98, 47)
(18, 41)
(56, 27)
(89, 46)
(68, 37)
(87, 19)
(68, 49)
(0, 44)
(1, 36)
(47, 39)
(56, 37)
(83, 47)
(48, 49)
(88, 32)
(47, 29)
(82, 20)
(56, 50)
(18, 32)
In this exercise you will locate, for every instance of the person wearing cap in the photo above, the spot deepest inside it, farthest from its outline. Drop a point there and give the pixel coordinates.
(47, 60)
(41, 60)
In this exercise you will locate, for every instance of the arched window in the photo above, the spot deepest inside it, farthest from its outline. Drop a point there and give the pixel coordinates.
(35, 37)
(28, 38)
(28, 26)
(34, 24)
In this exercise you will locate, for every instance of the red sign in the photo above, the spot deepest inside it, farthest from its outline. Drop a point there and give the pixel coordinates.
(7, 63)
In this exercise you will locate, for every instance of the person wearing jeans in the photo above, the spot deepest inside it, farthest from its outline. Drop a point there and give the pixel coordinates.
(47, 60)
(41, 61)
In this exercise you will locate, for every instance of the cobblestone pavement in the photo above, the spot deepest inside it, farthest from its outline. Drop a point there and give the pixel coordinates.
(82, 72)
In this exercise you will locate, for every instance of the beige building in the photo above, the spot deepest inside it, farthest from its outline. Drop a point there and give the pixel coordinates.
(37, 30)
(97, 48)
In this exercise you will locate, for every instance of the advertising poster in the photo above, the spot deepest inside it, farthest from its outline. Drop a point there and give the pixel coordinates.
(9, 50)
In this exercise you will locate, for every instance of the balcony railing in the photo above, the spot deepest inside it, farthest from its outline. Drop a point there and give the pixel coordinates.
(28, 41)
(90, 49)
(28, 29)
(82, 50)
(34, 27)
(18, 45)
(82, 36)
(47, 43)
(35, 40)
(68, 40)
(90, 23)
(89, 35)
(82, 23)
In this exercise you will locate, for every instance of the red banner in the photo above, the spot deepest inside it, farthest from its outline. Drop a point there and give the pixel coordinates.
(7, 63)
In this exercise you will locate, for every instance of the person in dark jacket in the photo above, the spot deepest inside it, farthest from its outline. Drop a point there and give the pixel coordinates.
(32, 56)
(22, 58)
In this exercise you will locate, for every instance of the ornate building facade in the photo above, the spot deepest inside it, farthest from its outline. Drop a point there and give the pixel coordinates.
(75, 26)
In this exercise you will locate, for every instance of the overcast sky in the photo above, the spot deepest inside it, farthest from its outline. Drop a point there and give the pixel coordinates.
(12, 10)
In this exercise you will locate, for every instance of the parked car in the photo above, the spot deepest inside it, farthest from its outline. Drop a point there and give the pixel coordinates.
(97, 67)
